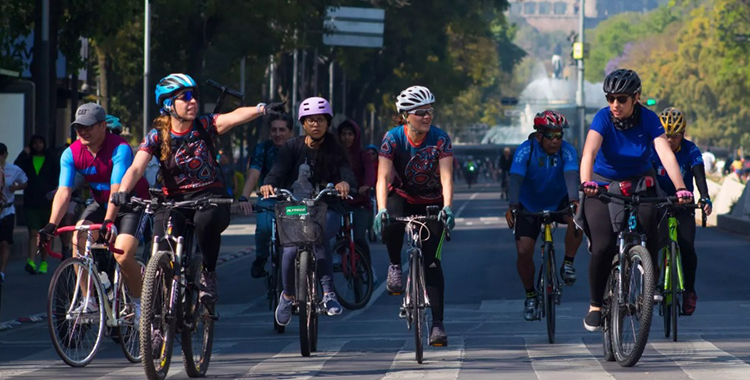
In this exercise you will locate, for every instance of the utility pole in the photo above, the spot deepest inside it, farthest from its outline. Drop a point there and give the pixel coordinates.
(271, 77)
(295, 70)
(580, 96)
(146, 61)
(330, 83)
(44, 128)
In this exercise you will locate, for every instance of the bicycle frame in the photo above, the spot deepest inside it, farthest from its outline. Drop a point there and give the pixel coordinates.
(349, 263)
(625, 240)
(673, 247)
(415, 257)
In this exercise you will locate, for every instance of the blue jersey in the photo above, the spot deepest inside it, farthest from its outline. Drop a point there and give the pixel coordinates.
(625, 153)
(543, 186)
(263, 158)
(417, 164)
(687, 156)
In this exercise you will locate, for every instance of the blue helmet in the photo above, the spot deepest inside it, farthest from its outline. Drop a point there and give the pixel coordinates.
(170, 85)
(113, 122)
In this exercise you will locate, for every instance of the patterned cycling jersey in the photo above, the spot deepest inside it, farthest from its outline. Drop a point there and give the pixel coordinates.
(543, 186)
(100, 170)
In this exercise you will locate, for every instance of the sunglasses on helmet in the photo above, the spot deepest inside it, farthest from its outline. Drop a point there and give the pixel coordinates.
(620, 99)
(422, 112)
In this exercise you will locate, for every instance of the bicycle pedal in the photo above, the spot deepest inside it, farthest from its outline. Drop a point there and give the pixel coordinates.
(402, 313)
(390, 293)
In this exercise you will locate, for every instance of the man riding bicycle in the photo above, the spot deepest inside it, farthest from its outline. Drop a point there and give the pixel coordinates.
(102, 158)
(543, 176)
(690, 160)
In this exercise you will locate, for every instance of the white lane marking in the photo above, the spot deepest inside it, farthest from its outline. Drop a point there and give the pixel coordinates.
(568, 358)
(30, 364)
(701, 360)
(463, 206)
(438, 363)
(290, 364)
(375, 295)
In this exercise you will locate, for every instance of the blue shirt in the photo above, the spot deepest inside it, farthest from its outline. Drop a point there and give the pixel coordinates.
(416, 165)
(543, 186)
(687, 156)
(263, 158)
(625, 153)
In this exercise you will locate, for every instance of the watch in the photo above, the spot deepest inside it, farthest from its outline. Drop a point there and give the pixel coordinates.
(257, 108)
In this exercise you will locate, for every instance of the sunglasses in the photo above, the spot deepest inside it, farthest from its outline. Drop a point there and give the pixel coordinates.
(669, 136)
(83, 128)
(622, 99)
(552, 135)
(187, 96)
(422, 112)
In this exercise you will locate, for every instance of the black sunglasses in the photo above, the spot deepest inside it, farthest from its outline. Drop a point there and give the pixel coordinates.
(80, 127)
(622, 99)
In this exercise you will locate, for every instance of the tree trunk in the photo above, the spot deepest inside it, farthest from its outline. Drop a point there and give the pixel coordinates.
(101, 61)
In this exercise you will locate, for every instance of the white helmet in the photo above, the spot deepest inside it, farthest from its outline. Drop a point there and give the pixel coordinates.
(413, 97)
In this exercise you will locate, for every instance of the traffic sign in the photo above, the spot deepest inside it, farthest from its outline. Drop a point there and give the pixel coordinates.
(354, 26)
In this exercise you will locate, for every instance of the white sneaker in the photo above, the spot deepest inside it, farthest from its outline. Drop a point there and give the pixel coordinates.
(137, 313)
(84, 308)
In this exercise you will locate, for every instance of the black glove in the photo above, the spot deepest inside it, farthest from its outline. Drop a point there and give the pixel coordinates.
(108, 230)
(274, 108)
(47, 233)
(119, 198)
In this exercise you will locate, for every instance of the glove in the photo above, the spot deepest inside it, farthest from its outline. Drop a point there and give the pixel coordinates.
(274, 108)
(509, 215)
(108, 231)
(706, 202)
(684, 194)
(589, 185)
(47, 233)
(377, 225)
(119, 198)
(450, 220)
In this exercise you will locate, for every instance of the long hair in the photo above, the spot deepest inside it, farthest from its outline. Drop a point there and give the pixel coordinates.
(164, 126)
(330, 156)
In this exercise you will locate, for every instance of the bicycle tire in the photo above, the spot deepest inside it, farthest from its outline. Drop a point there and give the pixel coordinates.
(277, 291)
(57, 313)
(156, 293)
(609, 354)
(129, 336)
(203, 330)
(665, 306)
(303, 308)
(638, 261)
(314, 301)
(353, 289)
(549, 292)
(675, 284)
(417, 302)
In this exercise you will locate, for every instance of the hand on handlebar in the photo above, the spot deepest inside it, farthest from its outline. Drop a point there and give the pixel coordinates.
(590, 188)
(108, 231)
(245, 206)
(119, 198)
(343, 189)
(684, 196)
(380, 219)
(450, 220)
(46, 234)
(510, 215)
(267, 191)
(707, 205)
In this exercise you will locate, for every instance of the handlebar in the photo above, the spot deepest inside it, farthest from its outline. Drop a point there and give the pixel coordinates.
(287, 195)
(225, 89)
(194, 203)
(567, 211)
(661, 202)
(424, 218)
(83, 227)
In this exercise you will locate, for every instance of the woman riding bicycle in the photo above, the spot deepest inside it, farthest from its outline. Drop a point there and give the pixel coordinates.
(422, 158)
(617, 155)
(690, 160)
(351, 137)
(303, 163)
(183, 143)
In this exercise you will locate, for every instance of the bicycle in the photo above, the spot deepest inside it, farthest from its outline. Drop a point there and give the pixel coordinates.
(549, 288)
(170, 300)
(671, 272)
(82, 281)
(355, 283)
(273, 277)
(301, 224)
(416, 302)
(629, 293)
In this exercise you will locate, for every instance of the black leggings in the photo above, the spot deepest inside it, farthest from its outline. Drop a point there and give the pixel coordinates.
(603, 241)
(209, 224)
(393, 235)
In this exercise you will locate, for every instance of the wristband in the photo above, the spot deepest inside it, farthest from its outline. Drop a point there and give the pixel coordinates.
(257, 108)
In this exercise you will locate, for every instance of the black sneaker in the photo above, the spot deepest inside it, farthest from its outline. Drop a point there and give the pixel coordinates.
(593, 321)
(258, 269)
(437, 335)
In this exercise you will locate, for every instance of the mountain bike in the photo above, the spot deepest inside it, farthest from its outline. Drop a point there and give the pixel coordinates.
(171, 306)
(273, 277)
(301, 224)
(548, 285)
(82, 303)
(353, 278)
(416, 302)
(671, 272)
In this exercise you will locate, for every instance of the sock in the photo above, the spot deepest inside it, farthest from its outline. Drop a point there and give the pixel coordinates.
(530, 293)
(568, 259)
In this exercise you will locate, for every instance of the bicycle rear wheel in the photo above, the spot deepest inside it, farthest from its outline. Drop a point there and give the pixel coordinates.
(352, 281)
(418, 306)
(129, 335)
(549, 291)
(197, 335)
(303, 304)
(76, 335)
(314, 302)
(631, 315)
(157, 317)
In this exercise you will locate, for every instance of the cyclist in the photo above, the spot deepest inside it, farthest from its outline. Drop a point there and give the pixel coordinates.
(305, 162)
(617, 155)
(183, 143)
(102, 158)
(691, 164)
(351, 137)
(12, 179)
(471, 170)
(544, 176)
(281, 129)
(503, 165)
(421, 155)
(114, 125)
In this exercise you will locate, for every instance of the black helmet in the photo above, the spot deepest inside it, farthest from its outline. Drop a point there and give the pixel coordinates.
(622, 81)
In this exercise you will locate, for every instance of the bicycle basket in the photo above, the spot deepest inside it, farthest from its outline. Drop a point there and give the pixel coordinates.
(300, 224)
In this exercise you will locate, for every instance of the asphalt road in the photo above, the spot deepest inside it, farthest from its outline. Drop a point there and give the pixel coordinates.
(488, 337)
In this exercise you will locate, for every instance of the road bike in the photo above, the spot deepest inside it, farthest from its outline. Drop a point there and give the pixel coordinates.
(274, 286)
(353, 277)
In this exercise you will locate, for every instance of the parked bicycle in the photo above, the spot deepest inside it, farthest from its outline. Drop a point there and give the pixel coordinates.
(273, 277)
(416, 302)
(353, 278)
(83, 303)
(170, 300)
(549, 288)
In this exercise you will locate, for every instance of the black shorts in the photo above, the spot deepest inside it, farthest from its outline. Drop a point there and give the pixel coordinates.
(127, 220)
(7, 223)
(530, 226)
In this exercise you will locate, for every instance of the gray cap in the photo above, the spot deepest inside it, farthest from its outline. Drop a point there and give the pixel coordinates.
(89, 114)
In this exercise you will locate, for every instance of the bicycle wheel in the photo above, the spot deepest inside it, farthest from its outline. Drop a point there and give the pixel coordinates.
(76, 335)
(314, 301)
(674, 283)
(352, 281)
(129, 334)
(665, 308)
(607, 302)
(418, 305)
(303, 304)
(157, 317)
(631, 315)
(197, 334)
(549, 291)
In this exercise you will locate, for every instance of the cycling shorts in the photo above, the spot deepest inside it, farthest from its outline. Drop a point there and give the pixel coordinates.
(530, 226)
(127, 220)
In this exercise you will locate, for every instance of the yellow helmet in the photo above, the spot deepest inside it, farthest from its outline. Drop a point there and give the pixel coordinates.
(672, 120)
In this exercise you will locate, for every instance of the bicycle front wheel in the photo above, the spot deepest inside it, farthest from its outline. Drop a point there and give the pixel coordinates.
(75, 321)
(129, 335)
(418, 306)
(665, 306)
(549, 291)
(352, 280)
(157, 316)
(304, 309)
(278, 287)
(631, 314)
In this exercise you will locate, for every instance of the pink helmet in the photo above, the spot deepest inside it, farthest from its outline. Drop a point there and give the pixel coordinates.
(314, 106)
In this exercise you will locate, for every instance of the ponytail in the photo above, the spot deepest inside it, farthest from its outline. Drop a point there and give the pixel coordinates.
(164, 126)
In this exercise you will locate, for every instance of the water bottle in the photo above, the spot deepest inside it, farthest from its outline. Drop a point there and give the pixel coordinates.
(106, 285)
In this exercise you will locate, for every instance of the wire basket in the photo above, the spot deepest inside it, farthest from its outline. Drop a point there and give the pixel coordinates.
(301, 223)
